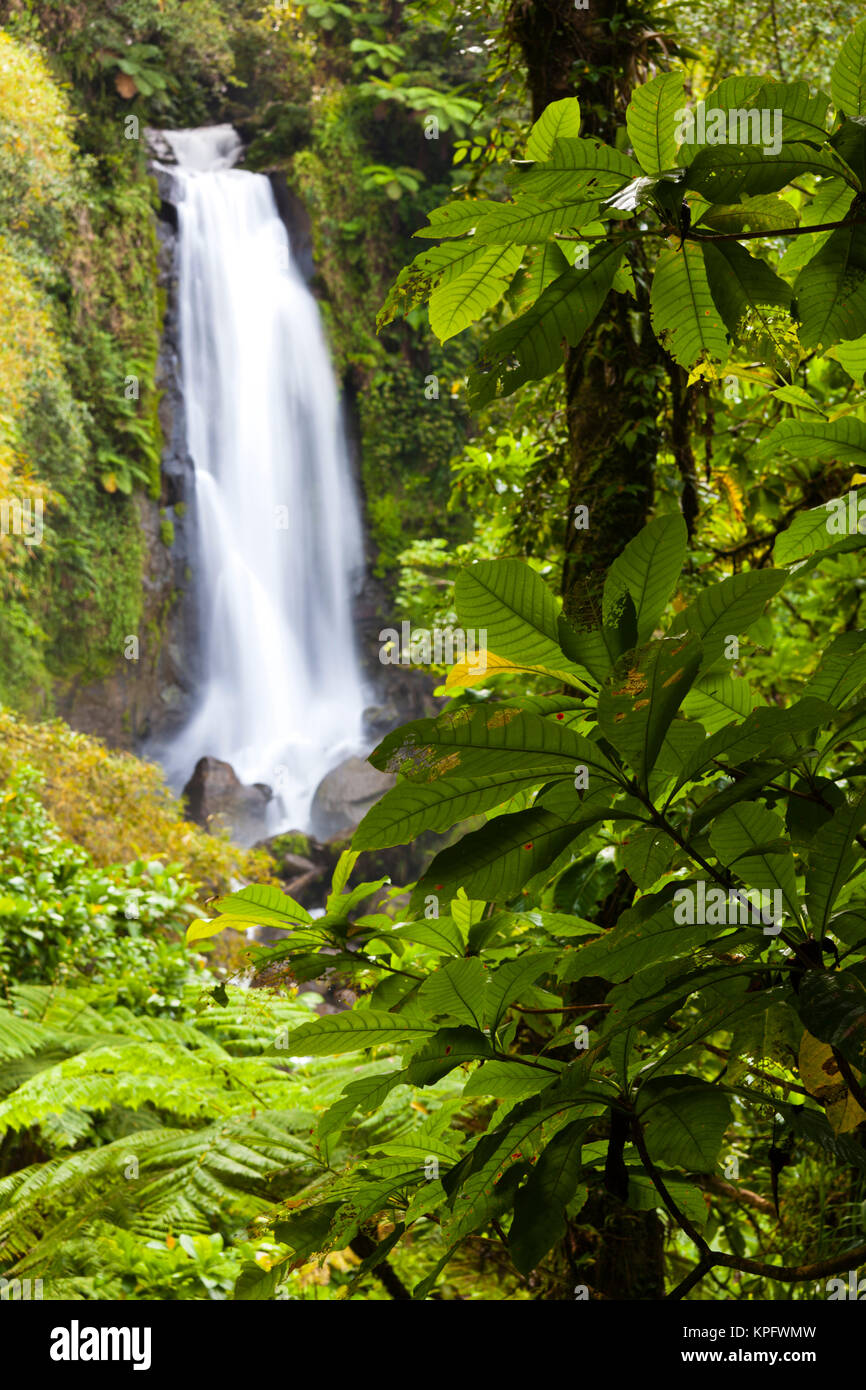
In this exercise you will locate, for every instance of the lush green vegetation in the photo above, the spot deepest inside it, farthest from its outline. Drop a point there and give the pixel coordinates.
(611, 416)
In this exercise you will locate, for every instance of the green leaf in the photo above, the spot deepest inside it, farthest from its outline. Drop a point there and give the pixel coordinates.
(684, 1121)
(715, 700)
(456, 991)
(508, 602)
(645, 934)
(762, 731)
(575, 169)
(508, 982)
(508, 1080)
(409, 809)
(479, 740)
(728, 609)
(841, 672)
(366, 1094)
(531, 346)
(460, 300)
(832, 1007)
(442, 934)
(263, 906)
(830, 291)
(743, 839)
(646, 854)
(684, 315)
(494, 862)
(559, 120)
(815, 531)
(769, 213)
(648, 568)
(457, 218)
(822, 441)
(753, 300)
(450, 1048)
(352, 1031)
(848, 75)
(723, 173)
(636, 708)
(831, 860)
(651, 121)
(539, 1207)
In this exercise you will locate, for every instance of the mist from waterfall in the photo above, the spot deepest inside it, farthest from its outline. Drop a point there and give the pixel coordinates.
(279, 537)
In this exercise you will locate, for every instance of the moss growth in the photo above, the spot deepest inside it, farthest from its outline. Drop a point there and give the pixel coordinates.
(166, 532)
(291, 843)
(117, 806)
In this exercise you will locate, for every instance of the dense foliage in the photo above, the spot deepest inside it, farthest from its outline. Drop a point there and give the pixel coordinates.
(611, 1044)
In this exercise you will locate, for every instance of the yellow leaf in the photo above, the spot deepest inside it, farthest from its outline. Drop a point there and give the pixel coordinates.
(487, 664)
(819, 1072)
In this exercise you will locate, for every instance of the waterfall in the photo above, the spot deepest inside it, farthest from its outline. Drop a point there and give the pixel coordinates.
(279, 536)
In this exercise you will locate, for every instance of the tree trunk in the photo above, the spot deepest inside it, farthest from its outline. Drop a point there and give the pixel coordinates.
(614, 381)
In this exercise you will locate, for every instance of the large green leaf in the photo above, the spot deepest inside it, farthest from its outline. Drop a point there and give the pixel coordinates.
(459, 300)
(509, 981)
(745, 839)
(512, 605)
(478, 740)
(558, 121)
(842, 670)
(532, 219)
(410, 808)
(830, 291)
(647, 688)
(457, 991)
(494, 862)
(753, 300)
(354, 1030)
(651, 121)
(648, 568)
(684, 315)
(646, 854)
(848, 77)
(573, 169)
(449, 1048)
(723, 173)
(531, 346)
(684, 1121)
(716, 700)
(645, 935)
(830, 203)
(539, 1208)
(257, 905)
(822, 441)
(728, 609)
(812, 532)
(765, 728)
(831, 860)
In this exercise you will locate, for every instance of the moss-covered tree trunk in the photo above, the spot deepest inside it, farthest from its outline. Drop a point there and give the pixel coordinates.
(613, 392)
(614, 377)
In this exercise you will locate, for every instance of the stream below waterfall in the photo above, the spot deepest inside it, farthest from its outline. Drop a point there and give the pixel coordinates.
(279, 540)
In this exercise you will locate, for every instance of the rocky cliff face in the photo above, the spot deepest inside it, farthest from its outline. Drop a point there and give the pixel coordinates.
(148, 695)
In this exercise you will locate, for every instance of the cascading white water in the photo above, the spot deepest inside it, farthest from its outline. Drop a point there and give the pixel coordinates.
(279, 535)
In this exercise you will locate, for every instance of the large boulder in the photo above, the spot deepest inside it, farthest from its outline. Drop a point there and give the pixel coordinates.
(214, 791)
(345, 795)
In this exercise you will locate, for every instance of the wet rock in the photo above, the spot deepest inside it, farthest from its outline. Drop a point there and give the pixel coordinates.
(345, 795)
(215, 791)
